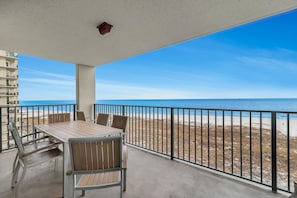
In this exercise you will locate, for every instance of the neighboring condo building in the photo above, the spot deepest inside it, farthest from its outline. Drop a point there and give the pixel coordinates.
(8, 91)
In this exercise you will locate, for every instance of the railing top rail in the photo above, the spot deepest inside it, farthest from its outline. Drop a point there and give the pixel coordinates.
(166, 107)
(38, 105)
(204, 109)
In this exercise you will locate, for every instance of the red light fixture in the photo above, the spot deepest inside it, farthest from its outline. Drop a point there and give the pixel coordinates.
(104, 28)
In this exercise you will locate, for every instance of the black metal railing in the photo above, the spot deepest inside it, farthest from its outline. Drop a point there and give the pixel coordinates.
(26, 117)
(259, 146)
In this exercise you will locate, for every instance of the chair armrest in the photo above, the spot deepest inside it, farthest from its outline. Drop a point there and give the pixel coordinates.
(125, 157)
(35, 140)
(41, 148)
(31, 134)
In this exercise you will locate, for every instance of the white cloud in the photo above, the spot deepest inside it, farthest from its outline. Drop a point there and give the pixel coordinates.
(268, 63)
(46, 86)
(48, 82)
(48, 74)
(114, 90)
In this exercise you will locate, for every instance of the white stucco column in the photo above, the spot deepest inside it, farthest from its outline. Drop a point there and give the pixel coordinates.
(86, 89)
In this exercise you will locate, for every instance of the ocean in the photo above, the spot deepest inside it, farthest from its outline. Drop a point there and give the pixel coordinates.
(271, 104)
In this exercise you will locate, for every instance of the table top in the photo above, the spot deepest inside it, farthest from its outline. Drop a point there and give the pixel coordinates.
(76, 129)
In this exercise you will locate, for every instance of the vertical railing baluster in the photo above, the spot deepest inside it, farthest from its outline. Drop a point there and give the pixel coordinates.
(261, 149)
(123, 110)
(195, 138)
(172, 132)
(150, 128)
(216, 141)
(142, 131)
(240, 124)
(208, 139)
(189, 134)
(146, 131)
(1, 132)
(178, 132)
(223, 139)
(201, 137)
(162, 124)
(157, 129)
(232, 154)
(95, 112)
(166, 130)
(74, 108)
(288, 150)
(251, 154)
(183, 134)
(273, 152)
(153, 128)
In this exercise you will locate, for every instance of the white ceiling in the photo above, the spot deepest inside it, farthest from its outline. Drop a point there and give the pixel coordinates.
(65, 30)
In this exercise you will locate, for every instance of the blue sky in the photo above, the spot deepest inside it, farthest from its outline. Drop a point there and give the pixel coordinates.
(256, 60)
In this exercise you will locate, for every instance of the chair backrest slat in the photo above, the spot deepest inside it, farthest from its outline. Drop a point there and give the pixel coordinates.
(95, 154)
(119, 122)
(102, 119)
(59, 117)
(80, 115)
(16, 136)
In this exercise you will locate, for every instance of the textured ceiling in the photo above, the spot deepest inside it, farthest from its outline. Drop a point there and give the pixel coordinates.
(65, 30)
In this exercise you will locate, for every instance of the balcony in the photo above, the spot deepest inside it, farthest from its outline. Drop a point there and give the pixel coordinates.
(12, 55)
(11, 68)
(8, 86)
(9, 77)
(148, 175)
(254, 147)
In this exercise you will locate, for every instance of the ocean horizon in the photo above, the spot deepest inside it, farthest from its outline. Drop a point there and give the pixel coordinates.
(265, 104)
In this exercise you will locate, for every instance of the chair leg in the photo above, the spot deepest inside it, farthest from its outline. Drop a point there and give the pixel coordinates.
(121, 191)
(17, 186)
(124, 179)
(83, 193)
(14, 162)
(15, 175)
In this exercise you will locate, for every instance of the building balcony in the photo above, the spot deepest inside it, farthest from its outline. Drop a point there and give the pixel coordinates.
(3, 94)
(8, 86)
(11, 55)
(9, 77)
(11, 68)
(148, 175)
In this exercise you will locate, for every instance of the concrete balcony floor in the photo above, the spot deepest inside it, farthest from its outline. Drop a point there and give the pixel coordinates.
(148, 176)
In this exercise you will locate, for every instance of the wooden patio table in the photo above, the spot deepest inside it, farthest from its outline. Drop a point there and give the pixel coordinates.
(62, 131)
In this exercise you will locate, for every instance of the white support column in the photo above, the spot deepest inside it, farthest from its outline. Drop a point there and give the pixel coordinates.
(86, 89)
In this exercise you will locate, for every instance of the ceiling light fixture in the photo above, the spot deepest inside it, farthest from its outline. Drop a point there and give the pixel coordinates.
(104, 28)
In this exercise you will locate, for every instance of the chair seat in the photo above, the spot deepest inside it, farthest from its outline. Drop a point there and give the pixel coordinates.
(41, 157)
(98, 179)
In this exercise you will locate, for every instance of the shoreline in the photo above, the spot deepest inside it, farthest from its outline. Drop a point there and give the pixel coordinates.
(228, 121)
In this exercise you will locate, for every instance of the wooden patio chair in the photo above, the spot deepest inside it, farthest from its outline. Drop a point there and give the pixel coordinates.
(30, 141)
(27, 159)
(102, 119)
(96, 163)
(59, 117)
(80, 115)
(120, 122)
